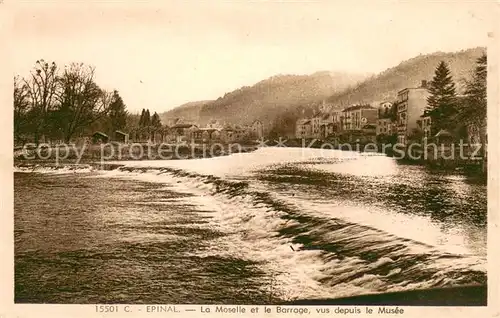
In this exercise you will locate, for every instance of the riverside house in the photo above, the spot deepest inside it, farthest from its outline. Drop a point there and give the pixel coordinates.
(411, 104)
(303, 129)
(121, 136)
(385, 126)
(183, 132)
(359, 123)
(257, 129)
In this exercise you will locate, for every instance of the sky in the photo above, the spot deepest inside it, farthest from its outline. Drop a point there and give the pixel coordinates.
(160, 54)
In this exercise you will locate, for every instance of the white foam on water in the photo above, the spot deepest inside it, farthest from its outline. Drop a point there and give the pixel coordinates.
(64, 169)
(295, 272)
(240, 164)
(423, 229)
(252, 227)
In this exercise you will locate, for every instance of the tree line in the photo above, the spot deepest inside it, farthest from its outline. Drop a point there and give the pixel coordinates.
(58, 104)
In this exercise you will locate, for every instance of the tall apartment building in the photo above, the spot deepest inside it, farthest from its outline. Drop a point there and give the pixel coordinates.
(411, 106)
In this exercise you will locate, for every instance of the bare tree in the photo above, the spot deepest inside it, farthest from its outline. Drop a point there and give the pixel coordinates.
(42, 88)
(81, 101)
(21, 109)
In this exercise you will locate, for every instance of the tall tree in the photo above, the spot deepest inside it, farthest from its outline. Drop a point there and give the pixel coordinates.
(21, 109)
(442, 102)
(474, 108)
(117, 115)
(81, 101)
(42, 88)
(147, 119)
(155, 121)
(141, 119)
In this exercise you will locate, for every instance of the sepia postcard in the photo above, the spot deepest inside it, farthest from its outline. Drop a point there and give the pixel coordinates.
(232, 158)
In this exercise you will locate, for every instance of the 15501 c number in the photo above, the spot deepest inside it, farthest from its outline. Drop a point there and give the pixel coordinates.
(106, 308)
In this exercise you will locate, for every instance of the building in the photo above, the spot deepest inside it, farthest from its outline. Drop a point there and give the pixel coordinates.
(411, 104)
(240, 133)
(316, 125)
(226, 134)
(257, 129)
(385, 126)
(214, 124)
(183, 132)
(369, 133)
(205, 135)
(122, 137)
(303, 128)
(426, 126)
(100, 137)
(357, 116)
(345, 119)
(336, 115)
(326, 126)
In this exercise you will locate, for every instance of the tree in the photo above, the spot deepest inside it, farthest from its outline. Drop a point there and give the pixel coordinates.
(155, 121)
(141, 119)
(473, 110)
(42, 90)
(117, 115)
(147, 119)
(81, 101)
(441, 104)
(21, 109)
(474, 107)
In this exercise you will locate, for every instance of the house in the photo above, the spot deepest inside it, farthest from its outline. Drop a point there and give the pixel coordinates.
(214, 124)
(100, 137)
(257, 129)
(183, 132)
(369, 133)
(122, 137)
(316, 125)
(226, 134)
(240, 133)
(303, 129)
(204, 135)
(326, 125)
(411, 104)
(357, 116)
(384, 126)
(426, 126)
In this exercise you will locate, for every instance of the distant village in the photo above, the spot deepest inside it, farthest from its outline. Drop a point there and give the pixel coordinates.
(399, 120)
(389, 122)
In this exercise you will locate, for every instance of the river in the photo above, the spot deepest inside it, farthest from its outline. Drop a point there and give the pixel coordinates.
(277, 224)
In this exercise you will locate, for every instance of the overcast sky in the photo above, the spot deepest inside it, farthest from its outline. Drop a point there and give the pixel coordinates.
(187, 51)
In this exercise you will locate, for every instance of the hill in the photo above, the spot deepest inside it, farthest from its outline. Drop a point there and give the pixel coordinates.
(410, 73)
(280, 100)
(188, 111)
(271, 97)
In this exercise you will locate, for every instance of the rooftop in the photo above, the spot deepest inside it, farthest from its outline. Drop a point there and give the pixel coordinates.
(183, 125)
(121, 132)
(356, 107)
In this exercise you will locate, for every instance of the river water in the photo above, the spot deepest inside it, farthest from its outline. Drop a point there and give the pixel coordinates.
(277, 224)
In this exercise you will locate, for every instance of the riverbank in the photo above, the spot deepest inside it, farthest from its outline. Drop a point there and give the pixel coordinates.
(441, 158)
(68, 154)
